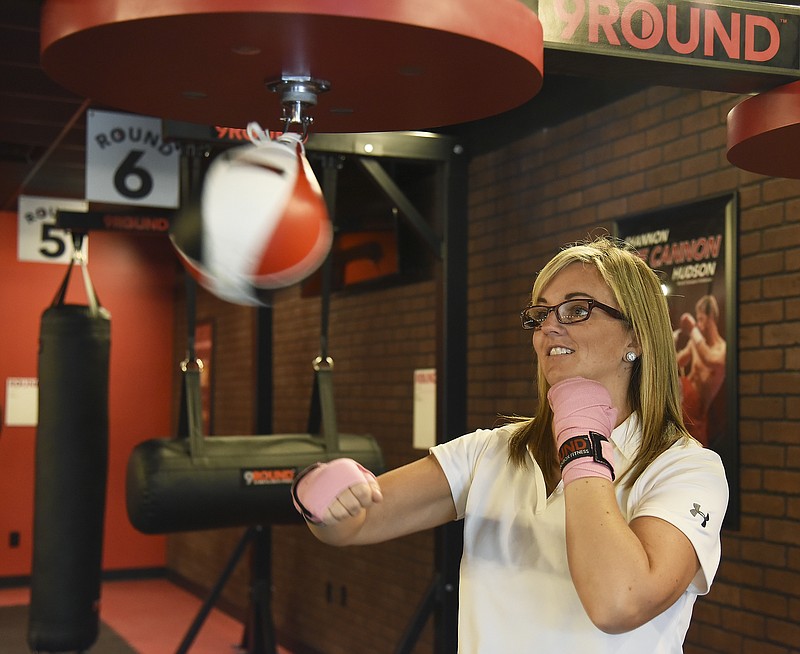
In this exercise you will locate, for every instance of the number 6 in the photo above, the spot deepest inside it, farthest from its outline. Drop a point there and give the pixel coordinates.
(128, 168)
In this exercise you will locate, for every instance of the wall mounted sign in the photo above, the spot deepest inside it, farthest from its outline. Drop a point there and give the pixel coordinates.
(732, 35)
(22, 401)
(128, 161)
(39, 238)
(138, 221)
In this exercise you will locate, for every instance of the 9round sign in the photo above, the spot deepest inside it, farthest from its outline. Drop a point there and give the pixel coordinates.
(128, 162)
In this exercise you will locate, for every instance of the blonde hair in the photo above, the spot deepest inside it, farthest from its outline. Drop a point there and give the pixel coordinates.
(654, 390)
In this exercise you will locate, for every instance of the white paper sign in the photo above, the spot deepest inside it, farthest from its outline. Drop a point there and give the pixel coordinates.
(424, 408)
(38, 238)
(22, 401)
(128, 162)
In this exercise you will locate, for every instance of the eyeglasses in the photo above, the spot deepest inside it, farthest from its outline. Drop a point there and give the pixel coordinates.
(567, 312)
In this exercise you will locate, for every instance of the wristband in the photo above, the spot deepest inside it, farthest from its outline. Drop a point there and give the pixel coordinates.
(318, 486)
(584, 456)
(307, 515)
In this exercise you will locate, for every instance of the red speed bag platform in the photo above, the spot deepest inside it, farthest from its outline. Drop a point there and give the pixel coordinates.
(391, 65)
(764, 132)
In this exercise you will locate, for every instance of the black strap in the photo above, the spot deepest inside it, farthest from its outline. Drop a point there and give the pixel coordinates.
(589, 445)
(190, 419)
(324, 376)
(95, 307)
(322, 412)
(190, 424)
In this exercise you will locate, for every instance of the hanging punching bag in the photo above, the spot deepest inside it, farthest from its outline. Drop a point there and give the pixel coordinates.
(71, 471)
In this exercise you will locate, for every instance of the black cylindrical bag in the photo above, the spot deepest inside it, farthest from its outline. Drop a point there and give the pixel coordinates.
(71, 472)
(238, 481)
(198, 482)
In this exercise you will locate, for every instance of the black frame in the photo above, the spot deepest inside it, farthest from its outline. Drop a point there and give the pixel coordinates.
(445, 236)
(709, 229)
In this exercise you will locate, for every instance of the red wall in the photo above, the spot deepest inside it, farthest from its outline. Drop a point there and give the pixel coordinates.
(134, 277)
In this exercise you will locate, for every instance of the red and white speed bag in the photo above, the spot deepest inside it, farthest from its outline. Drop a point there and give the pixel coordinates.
(265, 224)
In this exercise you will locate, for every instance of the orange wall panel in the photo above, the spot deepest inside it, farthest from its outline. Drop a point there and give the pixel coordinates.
(134, 276)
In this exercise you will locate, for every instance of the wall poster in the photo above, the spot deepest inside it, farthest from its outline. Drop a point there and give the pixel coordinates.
(693, 248)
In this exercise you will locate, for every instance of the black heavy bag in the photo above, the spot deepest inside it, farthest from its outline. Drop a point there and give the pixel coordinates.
(71, 472)
(240, 480)
(197, 482)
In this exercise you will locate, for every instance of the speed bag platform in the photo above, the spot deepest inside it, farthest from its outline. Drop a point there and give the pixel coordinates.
(237, 481)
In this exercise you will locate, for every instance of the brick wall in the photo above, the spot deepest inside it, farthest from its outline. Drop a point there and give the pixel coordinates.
(340, 601)
(197, 559)
(653, 149)
(658, 148)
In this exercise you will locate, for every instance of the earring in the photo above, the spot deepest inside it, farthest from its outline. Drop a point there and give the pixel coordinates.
(630, 357)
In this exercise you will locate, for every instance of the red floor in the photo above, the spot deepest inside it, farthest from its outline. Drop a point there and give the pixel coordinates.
(153, 616)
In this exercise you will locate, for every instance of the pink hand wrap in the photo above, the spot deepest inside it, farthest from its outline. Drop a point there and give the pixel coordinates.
(318, 486)
(583, 420)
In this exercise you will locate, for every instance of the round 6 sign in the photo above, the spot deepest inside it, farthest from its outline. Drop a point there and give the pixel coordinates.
(128, 161)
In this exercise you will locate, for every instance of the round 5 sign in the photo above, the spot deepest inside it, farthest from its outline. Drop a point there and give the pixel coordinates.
(128, 162)
(38, 238)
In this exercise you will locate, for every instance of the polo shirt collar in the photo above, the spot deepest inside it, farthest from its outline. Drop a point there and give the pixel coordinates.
(626, 438)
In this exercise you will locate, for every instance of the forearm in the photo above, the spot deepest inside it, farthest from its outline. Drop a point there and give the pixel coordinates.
(700, 346)
(684, 356)
(341, 533)
(412, 498)
(606, 560)
(620, 582)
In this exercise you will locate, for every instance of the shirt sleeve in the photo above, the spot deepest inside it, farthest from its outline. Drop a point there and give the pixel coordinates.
(458, 459)
(686, 486)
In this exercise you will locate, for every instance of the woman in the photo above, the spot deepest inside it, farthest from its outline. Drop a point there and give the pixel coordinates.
(591, 527)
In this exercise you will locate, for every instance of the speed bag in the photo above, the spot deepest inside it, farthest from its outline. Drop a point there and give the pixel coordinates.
(238, 480)
(71, 471)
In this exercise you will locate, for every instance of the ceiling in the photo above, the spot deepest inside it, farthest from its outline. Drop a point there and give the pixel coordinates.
(42, 125)
(43, 132)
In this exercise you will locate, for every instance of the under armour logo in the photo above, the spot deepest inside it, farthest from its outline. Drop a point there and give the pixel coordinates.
(696, 511)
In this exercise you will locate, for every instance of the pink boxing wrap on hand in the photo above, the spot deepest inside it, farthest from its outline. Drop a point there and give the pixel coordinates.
(318, 486)
(583, 415)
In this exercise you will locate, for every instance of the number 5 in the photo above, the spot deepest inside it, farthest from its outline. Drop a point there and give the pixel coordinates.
(53, 235)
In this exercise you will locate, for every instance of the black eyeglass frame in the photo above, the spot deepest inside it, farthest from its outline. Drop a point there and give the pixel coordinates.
(530, 323)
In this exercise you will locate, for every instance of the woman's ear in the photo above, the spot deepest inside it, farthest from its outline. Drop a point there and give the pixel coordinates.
(633, 345)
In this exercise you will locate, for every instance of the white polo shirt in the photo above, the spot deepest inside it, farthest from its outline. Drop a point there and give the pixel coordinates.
(516, 593)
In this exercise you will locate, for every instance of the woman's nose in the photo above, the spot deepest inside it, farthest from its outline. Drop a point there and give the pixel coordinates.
(550, 321)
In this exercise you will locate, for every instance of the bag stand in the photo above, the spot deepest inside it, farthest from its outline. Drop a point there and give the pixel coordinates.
(259, 634)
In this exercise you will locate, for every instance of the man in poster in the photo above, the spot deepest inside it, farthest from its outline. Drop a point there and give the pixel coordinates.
(702, 364)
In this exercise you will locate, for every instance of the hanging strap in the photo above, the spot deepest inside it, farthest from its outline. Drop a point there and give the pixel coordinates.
(322, 413)
(190, 423)
(323, 372)
(80, 259)
(190, 419)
